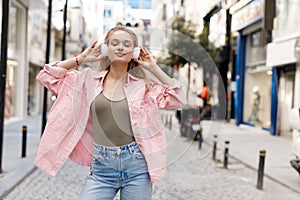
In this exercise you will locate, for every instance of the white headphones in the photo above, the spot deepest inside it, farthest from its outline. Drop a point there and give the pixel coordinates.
(136, 51)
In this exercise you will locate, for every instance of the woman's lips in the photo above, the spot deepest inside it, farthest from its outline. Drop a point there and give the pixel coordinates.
(120, 54)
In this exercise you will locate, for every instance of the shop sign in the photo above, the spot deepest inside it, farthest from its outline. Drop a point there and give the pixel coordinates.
(247, 15)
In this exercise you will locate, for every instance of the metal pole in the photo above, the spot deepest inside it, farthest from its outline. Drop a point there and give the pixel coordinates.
(214, 148)
(3, 65)
(166, 122)
(24, 141)
(200, 130)
(44, 114)
(170, 122)
(63, 57)
(226, 154)
(262, 155)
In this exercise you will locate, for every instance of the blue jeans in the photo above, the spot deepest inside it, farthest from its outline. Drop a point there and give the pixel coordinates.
(117, 168)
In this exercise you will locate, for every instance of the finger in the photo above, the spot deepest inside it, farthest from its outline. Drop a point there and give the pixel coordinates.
(97, 46)
(100, 57)
(93, 44)
(97, 50)
(137, 61)
(143, 50)
(147, 51)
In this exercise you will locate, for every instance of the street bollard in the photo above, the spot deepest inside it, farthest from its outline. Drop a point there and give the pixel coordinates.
(170, 122)
(214, 147)
(24, 140)
(226, 154)
(200, 138)
(166, 122)
(261, 165)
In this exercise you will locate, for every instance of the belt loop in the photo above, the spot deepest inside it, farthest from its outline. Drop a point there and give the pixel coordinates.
(131, 149)
(105, 151)
(119, 150)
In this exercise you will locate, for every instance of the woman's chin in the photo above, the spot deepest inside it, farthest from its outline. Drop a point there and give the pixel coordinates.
(120, 60)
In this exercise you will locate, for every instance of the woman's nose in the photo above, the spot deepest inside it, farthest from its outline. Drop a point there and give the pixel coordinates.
(120, 47)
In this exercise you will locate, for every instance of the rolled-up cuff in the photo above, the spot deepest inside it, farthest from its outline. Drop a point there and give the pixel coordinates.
(57, 72)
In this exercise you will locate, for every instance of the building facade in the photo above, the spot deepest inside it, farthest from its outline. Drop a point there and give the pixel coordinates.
(263, 70)
(253, 78)
(16, 91)
(283, 55)
(27, 50)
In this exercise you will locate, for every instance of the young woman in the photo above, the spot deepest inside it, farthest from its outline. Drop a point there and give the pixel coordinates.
(109, 118)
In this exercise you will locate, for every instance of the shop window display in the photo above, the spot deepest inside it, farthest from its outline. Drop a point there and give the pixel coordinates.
(257, 93)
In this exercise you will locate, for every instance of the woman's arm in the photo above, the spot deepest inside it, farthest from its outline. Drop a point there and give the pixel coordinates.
(169, 95)
(161, 75)
(89, 55)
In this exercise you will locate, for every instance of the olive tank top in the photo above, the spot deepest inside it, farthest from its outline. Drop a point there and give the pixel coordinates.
(111, 121)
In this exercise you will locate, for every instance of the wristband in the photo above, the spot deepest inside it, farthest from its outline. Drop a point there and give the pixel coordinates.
(76, 60)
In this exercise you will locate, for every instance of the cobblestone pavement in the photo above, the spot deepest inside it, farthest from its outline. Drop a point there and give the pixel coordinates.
(188, 178)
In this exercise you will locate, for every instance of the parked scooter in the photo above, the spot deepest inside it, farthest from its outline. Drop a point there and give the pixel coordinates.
(295, 125)
(190, 125)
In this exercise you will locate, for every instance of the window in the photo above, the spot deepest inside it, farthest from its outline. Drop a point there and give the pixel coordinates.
(133, 3)
(147, 4)
(256, 50)
(107, 13)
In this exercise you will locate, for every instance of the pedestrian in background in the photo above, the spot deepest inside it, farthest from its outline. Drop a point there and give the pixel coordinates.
(109, 118)
(204, 95)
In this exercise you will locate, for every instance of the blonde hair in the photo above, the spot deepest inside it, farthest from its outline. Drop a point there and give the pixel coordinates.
(132, 66)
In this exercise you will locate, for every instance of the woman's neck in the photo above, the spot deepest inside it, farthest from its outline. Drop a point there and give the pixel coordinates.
(117, 72)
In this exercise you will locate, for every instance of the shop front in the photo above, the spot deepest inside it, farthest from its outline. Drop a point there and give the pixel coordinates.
(253, 86)
(15, 92)
(283, 54)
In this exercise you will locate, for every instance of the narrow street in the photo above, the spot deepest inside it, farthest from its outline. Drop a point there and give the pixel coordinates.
(189, 177)
(234, 62)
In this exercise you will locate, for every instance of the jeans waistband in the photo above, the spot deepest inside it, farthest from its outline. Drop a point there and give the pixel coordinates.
(115, 150)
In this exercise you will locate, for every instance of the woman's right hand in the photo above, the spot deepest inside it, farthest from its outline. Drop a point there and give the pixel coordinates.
(91, 54)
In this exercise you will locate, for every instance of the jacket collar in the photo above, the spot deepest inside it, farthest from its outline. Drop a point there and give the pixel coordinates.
(101, 75)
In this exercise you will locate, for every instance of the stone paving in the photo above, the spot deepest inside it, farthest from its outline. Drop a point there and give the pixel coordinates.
(188, 177)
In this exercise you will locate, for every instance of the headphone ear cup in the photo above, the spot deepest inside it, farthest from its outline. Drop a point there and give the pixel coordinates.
(104, 50)
(136, 52)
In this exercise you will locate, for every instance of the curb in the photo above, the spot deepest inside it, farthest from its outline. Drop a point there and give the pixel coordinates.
(255, 169)
(4, 192)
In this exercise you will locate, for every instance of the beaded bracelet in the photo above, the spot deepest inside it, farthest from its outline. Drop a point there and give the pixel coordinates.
(76, 59)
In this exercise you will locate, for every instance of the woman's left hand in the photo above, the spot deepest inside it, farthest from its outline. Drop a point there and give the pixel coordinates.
(146, 60)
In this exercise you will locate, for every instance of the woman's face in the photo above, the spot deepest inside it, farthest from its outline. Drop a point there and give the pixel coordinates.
(120, 47)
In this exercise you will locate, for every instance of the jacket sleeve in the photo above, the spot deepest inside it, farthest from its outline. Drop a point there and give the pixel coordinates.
(52, 77)
(168, 97)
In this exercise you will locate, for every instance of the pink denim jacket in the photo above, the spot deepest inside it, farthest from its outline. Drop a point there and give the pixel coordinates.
(68, 132)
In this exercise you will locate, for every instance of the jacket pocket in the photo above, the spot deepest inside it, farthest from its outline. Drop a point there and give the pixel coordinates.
(146, 118)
